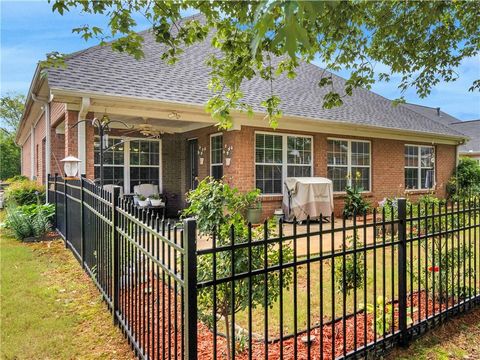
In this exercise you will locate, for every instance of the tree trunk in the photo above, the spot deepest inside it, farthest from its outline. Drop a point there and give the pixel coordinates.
(227, 332)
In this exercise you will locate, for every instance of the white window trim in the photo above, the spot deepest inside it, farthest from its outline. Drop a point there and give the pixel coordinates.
(211, 149)
(349, 162)
(284, 163)
(419, 167)
(126, 161)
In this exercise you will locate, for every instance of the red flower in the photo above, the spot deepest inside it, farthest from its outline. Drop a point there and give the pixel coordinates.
(434, 269)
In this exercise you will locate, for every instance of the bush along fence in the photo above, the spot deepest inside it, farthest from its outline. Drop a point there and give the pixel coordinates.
(275, 291)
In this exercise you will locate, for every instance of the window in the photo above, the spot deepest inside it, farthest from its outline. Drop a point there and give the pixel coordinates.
(278, 157)
(216, 156)
(348, 163)
(299, 156)
(113, 160)
(144, 162)
(419, 167)
(128, 163)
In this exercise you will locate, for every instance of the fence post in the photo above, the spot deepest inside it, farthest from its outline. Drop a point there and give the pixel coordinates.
(402, 271)
(65, 209)
(190, 281)
(82, 225)
(55, 198)
(115, 255)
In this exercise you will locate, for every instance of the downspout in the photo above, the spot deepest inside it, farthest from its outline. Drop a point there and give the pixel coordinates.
(32, 152)
(48, 141)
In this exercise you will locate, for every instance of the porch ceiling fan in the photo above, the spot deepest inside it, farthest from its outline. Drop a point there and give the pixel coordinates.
(147, 129)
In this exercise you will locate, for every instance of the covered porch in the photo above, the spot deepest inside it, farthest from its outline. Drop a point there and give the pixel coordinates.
(145, 142)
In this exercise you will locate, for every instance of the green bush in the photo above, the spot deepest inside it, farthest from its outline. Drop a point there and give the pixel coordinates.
(354, 268)
(16, 178)
(466, 180)
(24, 224)
(24, 192)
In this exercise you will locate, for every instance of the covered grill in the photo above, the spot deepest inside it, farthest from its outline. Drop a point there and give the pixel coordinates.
(307, 196)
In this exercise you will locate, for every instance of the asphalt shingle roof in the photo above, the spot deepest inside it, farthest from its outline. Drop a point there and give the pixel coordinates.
(101, 70)
(472, 130)
(435, 114)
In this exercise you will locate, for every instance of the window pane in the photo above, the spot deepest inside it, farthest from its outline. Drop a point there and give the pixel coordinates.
(216, 149)
(360, 153)
(111, 175)
(337, 152)
(269, 178)
(361, 178)
(426, 157)
(338, 175)
(411, 178)
(268, 149)
(299, 150)
(411, 156)
(426, 180)
(299, 171)
(217, 171)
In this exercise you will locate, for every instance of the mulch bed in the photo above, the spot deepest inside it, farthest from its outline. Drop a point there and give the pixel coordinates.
(161, 325)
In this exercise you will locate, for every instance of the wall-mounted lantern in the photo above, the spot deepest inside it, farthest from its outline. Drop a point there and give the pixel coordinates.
(70, 165)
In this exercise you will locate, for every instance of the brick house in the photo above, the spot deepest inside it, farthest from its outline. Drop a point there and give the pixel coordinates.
(394, 149)
(470, 128)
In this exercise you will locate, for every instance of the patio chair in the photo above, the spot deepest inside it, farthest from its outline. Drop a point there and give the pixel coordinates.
(146, 189)
(110, 187)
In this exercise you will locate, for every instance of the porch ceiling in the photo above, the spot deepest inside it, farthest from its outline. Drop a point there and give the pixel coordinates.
(162, 125)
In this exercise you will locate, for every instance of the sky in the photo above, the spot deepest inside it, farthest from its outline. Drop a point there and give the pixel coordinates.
(29, 30)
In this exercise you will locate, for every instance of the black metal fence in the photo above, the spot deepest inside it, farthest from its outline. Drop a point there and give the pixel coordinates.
(290, 291)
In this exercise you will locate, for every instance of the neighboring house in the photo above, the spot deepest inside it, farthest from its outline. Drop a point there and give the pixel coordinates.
(471, 129)
(393, 148)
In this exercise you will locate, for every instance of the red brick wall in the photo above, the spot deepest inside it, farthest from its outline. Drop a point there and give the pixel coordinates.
(387, 166)
(26, 158)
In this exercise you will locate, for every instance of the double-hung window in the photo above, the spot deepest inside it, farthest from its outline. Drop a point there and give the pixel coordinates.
(348, 163)
(216, 156)
(113, 160)
(144, 162)
(419, 167)
(278, 157)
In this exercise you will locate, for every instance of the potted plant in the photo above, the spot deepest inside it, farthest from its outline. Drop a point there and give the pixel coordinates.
(155, 200)
(228, 154)
(201, 151)
(253, 207)
(142, 200)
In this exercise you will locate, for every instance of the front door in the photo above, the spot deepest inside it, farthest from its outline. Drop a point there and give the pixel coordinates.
(192, 173)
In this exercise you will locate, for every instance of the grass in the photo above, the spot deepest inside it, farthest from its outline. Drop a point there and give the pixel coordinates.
(457, 339)
(49, 308)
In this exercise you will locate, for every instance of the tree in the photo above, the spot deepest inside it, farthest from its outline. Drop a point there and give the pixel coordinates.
(424, 42)
(11, 110)
(218, 209)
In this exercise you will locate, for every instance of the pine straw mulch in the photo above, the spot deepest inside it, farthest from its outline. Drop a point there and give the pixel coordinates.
(158, 333)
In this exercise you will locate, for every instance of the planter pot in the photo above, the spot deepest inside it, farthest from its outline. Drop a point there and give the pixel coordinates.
(228, 161)
(143, 203)
(201, 160)
(156, 202)
(254, 216)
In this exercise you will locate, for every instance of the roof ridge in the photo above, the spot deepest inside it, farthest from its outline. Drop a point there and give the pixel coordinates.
(465, 121)
(100, 45)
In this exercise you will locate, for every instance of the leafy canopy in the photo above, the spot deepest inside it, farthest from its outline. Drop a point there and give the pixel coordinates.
(11, 110)
(422, 41)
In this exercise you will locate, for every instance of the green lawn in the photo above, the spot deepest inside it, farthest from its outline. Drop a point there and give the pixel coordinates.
(457, 339)
(49, 307)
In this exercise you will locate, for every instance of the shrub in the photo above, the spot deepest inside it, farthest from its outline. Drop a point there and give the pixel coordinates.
(25, 225)
(355, 204)
(354, 268)
(466, 180)
(16, 178)
(25, 192)
(34, 209)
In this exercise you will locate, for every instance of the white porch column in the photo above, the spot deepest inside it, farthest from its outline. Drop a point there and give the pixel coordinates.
(82, 147)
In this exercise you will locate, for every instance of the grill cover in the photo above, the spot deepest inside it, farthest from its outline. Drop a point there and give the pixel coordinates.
(307, 196)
